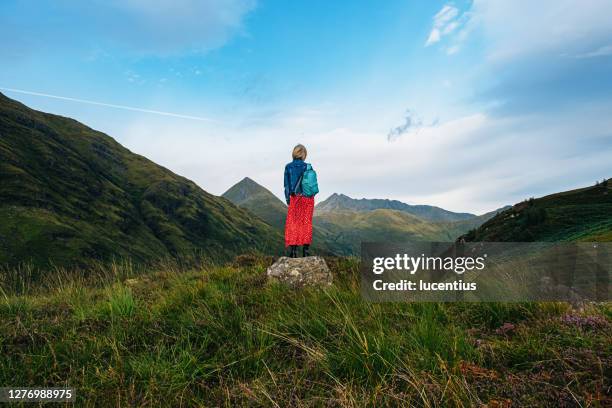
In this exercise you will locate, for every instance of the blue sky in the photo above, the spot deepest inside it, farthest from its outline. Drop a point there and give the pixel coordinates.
(469, 105)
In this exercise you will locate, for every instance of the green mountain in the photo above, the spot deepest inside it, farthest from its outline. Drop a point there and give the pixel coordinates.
(344, 230)
(258, 200)
(341, 202)
(70, 194)
(584, 214)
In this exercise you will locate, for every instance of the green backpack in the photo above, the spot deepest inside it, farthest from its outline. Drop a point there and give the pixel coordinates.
(308, 183)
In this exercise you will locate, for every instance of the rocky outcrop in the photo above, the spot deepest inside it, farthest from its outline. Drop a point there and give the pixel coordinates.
(300, 272)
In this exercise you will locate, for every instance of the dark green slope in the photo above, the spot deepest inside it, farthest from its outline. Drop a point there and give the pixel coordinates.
(341, 202)
(70, 194)
(578, 215)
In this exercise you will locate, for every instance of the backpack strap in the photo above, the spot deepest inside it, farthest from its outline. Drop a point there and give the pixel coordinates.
(299, 183)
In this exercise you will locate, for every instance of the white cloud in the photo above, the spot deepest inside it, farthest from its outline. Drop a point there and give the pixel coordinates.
(98, 28)
(514, 28)
(447, 22)
(434, 37)
(443, 24)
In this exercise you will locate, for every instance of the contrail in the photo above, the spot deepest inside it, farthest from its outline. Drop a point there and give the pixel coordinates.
(109, 105)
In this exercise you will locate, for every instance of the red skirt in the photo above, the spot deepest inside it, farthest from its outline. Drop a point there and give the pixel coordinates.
(298, 226)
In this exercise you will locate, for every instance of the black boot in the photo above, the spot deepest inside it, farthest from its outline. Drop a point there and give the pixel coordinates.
(305, 249)
(293, 251)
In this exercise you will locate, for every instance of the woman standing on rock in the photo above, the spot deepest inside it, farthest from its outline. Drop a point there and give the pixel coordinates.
(300, 189)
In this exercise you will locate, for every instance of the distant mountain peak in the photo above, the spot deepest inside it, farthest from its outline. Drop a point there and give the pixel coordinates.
(246, 189)
(336, 196)
(248, 180)
(249, 194)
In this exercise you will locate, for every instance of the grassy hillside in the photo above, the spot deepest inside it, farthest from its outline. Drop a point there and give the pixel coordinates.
(341, 202)
(344, 230)
(578, 215)
(70, 194)
(222, 336)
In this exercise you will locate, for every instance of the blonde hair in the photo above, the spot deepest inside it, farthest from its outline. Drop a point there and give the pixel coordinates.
(299, 152)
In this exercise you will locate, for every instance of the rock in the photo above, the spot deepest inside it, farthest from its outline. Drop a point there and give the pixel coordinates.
(299, 272)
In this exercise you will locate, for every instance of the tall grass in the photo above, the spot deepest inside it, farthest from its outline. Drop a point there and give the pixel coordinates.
(224, 336)
(25, 278)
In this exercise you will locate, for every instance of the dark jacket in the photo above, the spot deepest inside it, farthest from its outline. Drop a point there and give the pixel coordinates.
(293, 172)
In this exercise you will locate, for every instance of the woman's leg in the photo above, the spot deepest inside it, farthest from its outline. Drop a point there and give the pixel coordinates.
(293, 251)
(305, 249)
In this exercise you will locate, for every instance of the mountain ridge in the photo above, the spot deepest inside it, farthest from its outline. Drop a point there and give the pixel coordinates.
(428, 212)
